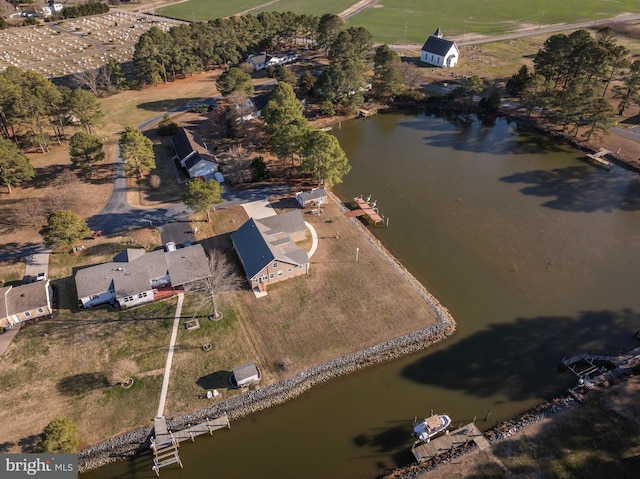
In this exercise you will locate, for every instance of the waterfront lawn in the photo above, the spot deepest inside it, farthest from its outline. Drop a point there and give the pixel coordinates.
(59, 367)
(339, 308)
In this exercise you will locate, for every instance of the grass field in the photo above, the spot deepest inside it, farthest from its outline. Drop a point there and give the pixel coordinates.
(387, 19)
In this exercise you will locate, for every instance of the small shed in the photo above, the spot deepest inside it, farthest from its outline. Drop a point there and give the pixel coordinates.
(245, 375)
(315, 197)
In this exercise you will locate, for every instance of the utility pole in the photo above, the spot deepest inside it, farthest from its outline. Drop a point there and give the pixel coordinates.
(404, 37)
(464, 32)
(541, 18)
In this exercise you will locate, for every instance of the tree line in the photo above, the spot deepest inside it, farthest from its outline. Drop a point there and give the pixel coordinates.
(572, 74)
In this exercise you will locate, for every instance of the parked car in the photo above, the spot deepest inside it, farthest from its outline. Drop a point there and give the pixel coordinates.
(41, 276)
(170, 246)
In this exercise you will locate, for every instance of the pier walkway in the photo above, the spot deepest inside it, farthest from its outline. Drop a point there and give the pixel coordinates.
(364, 208)
(423, 451)
(598, 159)
(165, 443)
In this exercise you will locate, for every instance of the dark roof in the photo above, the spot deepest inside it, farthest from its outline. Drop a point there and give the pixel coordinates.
(438, 46)
(185, 144)
(261, 241)
(253, 250)
(260, 101)
(195, 159)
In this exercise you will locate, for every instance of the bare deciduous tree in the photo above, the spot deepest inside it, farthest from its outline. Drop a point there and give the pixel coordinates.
(31, 211)
(64, 196)
(223, 279)
(88, 78)
(238, 165)
(411, 74)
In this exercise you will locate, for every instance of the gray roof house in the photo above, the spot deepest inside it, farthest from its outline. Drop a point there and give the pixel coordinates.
(439, 52)
(135, 276)
(244, 375)
(317, 196)
(268, 251)
(24, 303)
(193, 156)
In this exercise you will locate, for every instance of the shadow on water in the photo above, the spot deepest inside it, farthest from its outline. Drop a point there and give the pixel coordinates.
(465, 132)
(507, 358)
(580, 189)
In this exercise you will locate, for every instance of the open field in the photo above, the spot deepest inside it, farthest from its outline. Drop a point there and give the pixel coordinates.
(203, 10)
(78, 44)
(333, 311)
(387, 18)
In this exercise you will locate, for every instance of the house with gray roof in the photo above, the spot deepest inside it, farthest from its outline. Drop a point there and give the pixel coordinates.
(24, 303)
(193, 156)
(315, 197)
(135, 277)
(268, 251)
(439, 52)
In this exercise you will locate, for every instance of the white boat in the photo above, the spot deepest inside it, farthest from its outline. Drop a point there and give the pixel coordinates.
(431, 426)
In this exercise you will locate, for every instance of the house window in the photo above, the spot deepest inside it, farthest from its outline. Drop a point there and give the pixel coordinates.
(94, 296)
(142, 295)
(40, 310)
(128, 298)
(254, 280)
(288, 270)
(280, 273)
(299, 266)
(271, 276)
(27, 314)
(275, 264)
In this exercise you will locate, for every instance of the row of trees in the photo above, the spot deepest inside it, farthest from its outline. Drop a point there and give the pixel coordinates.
(185, 49)
(572, 74)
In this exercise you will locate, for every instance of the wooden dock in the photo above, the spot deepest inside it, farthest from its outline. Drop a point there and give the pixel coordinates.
(598, 159)
(364, 208)
(423, 451)
(165, 443)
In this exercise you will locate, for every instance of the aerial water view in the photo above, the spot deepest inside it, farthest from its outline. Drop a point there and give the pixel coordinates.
(375, 239)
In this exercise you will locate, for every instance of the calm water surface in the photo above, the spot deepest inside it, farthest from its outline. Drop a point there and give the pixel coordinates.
(535, 253)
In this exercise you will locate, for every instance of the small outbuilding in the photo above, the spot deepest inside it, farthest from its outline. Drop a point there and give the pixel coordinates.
(315, 197)
(245, 375)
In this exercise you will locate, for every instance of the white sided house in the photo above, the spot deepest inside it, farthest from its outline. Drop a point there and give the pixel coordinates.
(135, 277)
(439, 52)
(315, 197)
(193, 157)
(267, 248)
(24, 303)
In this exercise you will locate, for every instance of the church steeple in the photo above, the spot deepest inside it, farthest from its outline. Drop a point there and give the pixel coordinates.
(437, 33)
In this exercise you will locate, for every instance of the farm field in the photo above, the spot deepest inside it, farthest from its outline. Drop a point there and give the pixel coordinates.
(203, 10)
(387, 18)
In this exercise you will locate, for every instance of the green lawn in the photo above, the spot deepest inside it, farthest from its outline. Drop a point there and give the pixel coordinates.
(388, 18)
